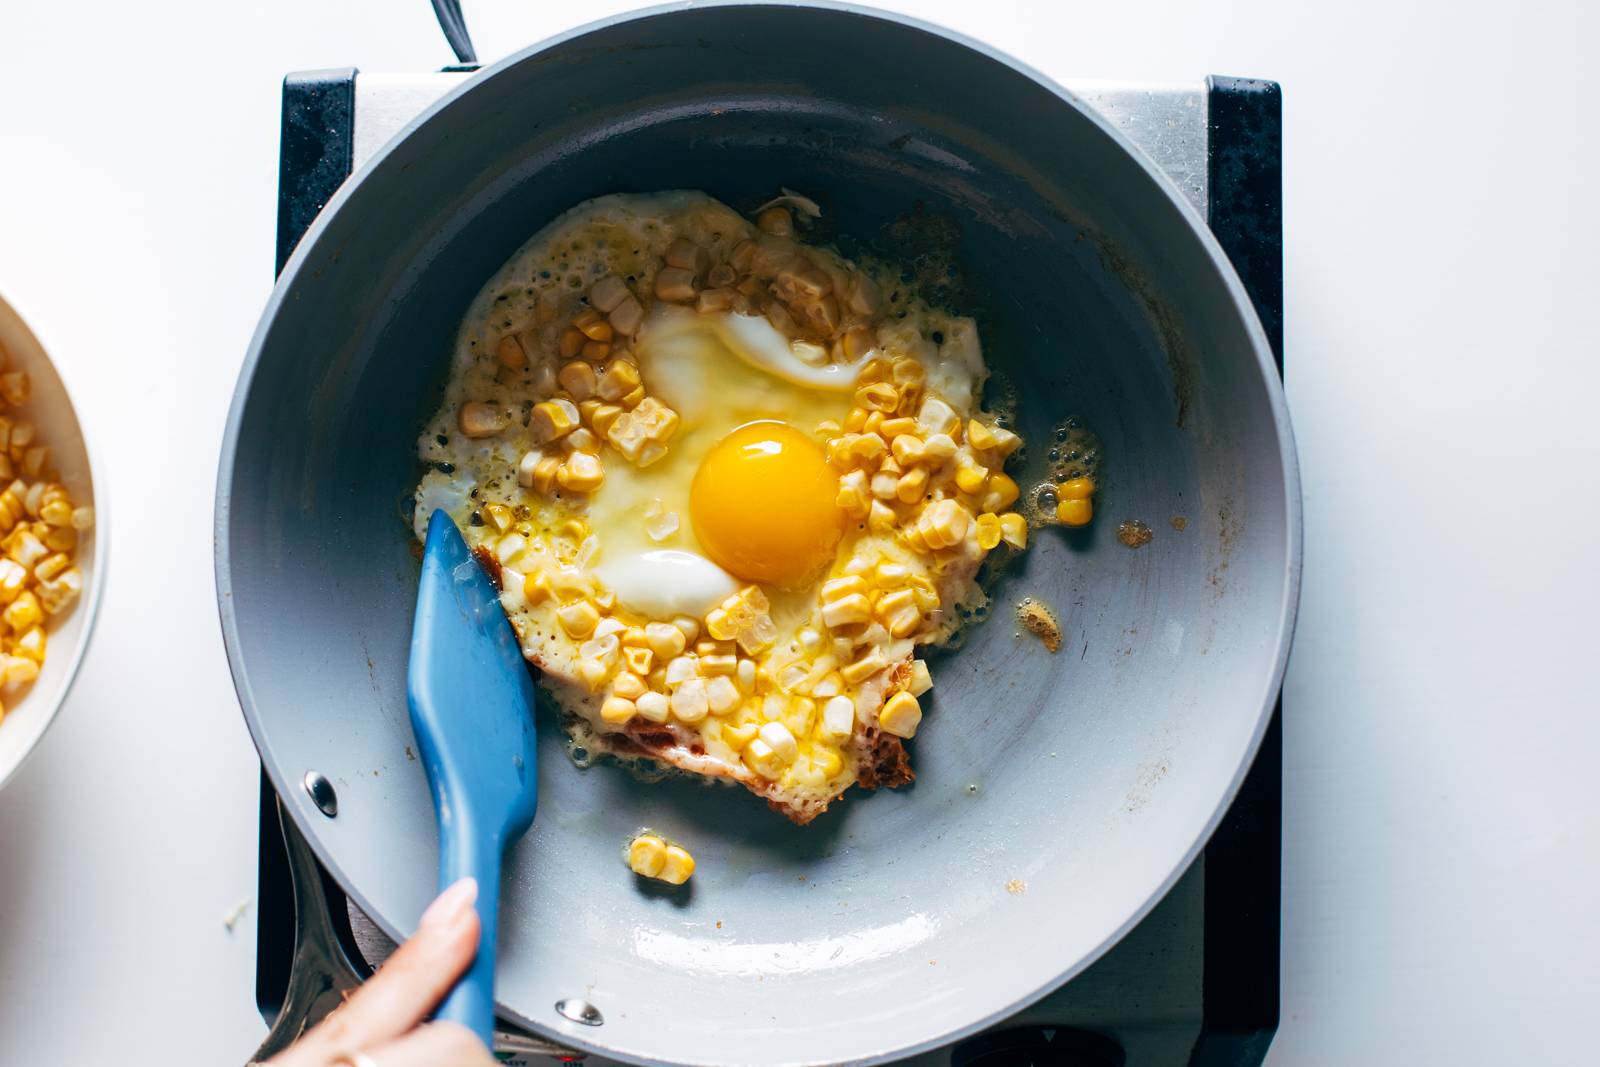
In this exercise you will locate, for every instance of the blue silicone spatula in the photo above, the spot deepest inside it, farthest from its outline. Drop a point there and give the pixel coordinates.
(471, 698)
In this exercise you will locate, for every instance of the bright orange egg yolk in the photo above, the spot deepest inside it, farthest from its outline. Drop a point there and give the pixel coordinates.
(763, 505)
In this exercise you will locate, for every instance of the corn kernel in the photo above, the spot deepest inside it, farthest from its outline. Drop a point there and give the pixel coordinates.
(629, 685)
(18, 670)
(639, 660)
(23, 613)
(1014, 530)
(921, 681)
(852, 498)
(1075, 489)
(689, 701)
(677, 867)
(593, 673)
(605, 416)
(60, 538)
(57, 513)
(935, 416)
(836, 588)
(506, 550)
(577, 378)
(779, 738)
(874, 370)
(855, 420)
(1003, 492)
(581, 473)
(866, 448)
(619, 378)
(988, 530)
(500, 516)
(32, 644)
(891, 573)
(846, 611)
(545, 471)
(944, 524)
(802, 717)
(907, 449)
(912, 485)
(581, 440)
(900, 715)
(722, 696)
(82, 518)
(878, 396)
(873, 425)
(718, 664)
(13, 579)
(1006, 442)
(904, 622)
(571, 342)
(880, 517)
(527, 466)
(536, 587)
(939, 447)
(14, 387)
(578, 618)
(736, 737)
(1074, 512)
(924, 590)
(509, 353)
(653, 706)
(981, 436)
(838, 717)
(864, 668)
(617, 710)
(892, 428)
(664, 639)
(647, 854)
(592, 325)
(827, 762)
(759, 757)
(681, 669)
(475, 420)
(832, 684)
(552, 419)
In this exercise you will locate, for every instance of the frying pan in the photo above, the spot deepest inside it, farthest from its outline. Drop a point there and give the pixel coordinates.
(1058, 796)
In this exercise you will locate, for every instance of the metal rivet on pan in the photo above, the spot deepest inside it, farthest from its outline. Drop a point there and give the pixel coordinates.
(322, 794)
(580, 1011)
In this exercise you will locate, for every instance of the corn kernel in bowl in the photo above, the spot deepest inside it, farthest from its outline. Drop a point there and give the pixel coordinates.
(49, 552)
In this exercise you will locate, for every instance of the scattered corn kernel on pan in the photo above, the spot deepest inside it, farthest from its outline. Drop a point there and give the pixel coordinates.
(1058, 794)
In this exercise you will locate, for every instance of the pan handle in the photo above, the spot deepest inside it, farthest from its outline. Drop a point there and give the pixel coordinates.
(322, 974)
(455, 31)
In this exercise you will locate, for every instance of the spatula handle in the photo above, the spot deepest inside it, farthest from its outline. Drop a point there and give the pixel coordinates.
(465, 852)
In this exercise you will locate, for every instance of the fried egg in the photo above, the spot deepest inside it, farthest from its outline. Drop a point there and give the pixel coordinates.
(726, 488)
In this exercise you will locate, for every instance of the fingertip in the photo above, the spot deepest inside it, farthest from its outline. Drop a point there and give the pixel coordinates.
(449, 905)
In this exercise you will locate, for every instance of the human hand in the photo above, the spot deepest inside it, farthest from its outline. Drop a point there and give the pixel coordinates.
(379, 1025)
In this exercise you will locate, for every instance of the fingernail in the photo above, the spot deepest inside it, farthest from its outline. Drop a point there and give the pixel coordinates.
(450, 905)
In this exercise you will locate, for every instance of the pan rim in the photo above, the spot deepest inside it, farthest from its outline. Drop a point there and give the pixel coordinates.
(580, 1037)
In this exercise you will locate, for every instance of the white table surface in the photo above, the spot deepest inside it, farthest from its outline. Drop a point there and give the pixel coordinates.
(1441, 836)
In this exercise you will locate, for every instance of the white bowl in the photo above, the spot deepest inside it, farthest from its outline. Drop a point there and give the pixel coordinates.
(30, 713)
